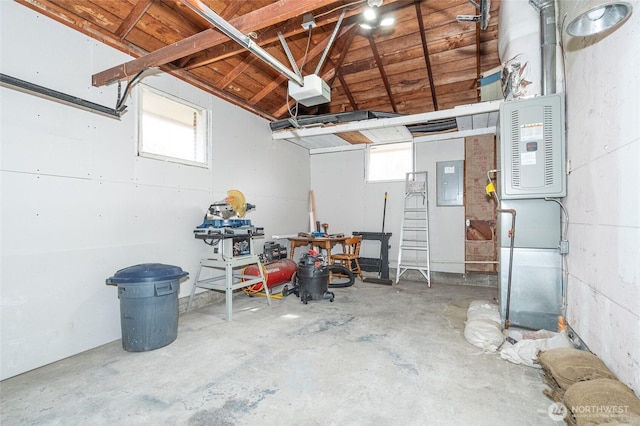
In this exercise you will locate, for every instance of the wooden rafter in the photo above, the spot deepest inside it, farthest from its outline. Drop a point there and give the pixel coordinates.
(350, 35)
(393, 72)
(132, 18)
(256, 20)
(425, 48)
(232, 9)
(237, 71)
(218, 53)
(347, 92)
(383, 74)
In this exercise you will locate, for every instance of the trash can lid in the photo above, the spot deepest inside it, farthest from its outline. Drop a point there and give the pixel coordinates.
(147, 272)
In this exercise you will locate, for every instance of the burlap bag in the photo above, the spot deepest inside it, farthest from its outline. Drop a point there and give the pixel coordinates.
(565, 366)
(601, 401)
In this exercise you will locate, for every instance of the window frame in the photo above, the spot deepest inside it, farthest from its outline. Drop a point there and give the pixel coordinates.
(203, 128)
(398, 179)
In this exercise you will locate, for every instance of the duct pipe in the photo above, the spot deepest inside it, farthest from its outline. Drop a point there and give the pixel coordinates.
(234, 34)
(548, 46)
(547, 11)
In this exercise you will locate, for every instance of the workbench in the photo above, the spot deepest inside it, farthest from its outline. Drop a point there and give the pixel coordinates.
(326, 243)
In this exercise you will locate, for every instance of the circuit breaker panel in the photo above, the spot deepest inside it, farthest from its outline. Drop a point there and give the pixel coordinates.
(532, 147)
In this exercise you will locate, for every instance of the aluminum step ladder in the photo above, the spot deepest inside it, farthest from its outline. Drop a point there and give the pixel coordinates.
(413, 252)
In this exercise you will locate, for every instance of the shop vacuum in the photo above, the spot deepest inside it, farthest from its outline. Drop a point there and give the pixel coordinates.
(311, 281)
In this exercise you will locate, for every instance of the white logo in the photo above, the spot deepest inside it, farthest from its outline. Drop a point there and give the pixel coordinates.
(557, 411)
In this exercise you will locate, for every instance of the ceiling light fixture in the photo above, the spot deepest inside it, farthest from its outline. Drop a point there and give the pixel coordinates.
(372, 18)
(599, 18)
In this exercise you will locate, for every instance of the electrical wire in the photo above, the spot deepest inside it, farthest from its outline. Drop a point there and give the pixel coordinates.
(341, 7)
(565, 265)
(565, 230)
(127, 88)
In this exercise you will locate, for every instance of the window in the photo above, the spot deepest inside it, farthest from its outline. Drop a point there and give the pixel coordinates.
(390, 161)
(171, 129)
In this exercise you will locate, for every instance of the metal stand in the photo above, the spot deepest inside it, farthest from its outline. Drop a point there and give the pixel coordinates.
(414, 232)
(371, 264)
(231, 280)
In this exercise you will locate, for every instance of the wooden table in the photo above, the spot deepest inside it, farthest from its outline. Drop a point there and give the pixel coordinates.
(326, 243)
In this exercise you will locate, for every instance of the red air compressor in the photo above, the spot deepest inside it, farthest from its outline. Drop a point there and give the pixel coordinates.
(277, 269)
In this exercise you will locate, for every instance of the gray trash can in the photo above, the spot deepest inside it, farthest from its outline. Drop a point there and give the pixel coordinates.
(148, 296)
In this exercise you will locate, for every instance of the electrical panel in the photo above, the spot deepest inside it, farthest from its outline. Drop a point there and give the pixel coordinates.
(532, 148)
(450, 183)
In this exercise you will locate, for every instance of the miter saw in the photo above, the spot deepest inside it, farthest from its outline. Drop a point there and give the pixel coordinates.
(225, 230)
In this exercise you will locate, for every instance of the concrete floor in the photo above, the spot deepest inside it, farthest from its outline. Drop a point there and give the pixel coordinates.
(377, 355)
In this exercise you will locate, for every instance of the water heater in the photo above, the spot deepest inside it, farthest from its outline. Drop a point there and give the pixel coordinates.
(532, 148)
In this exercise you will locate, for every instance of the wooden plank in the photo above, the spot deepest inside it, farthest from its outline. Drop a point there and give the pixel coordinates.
(354, 138)
(347, 92)
(256, 20)
(348, 39)
(427, 61)
(132, 18)
(385, 80)
(237, 70)
(288, 29)
(232, 9)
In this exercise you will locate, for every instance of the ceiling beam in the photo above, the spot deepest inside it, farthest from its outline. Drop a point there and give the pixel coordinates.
(132, 18)
(383, 74)
(236, 71)
(225, 51)
(288, 30)
(350, 35)
(256, 20)
(232, 9)
(425, 49)
(347, 92)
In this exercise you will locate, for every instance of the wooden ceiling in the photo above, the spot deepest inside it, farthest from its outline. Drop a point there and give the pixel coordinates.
(426, 61)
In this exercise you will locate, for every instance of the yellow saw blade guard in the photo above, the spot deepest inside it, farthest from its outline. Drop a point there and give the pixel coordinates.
(237, 202)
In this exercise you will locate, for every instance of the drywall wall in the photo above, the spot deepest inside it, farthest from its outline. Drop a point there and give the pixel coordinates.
(345, 201)
(77, 204)
(603, 199)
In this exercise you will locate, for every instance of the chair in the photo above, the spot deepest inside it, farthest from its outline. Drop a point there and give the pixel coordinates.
(349, 256)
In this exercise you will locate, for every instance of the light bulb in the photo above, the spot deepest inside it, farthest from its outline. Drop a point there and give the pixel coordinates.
(369, 14)
(388, 21)
(596, 14)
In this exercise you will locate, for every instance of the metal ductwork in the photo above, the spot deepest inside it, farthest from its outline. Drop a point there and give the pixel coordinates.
(548, 42)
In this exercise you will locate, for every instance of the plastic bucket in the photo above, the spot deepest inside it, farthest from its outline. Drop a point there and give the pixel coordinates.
(148, 296)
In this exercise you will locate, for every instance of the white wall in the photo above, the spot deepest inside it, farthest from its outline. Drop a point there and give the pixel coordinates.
(603, 199)
(348, 204)
(77, 204)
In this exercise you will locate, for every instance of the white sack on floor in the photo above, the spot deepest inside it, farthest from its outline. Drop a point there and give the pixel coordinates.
(528, 344)
(483, 309)
(483, 333)
(483, 327)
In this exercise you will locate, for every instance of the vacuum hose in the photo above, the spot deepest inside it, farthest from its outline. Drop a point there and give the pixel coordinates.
(342, 270)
